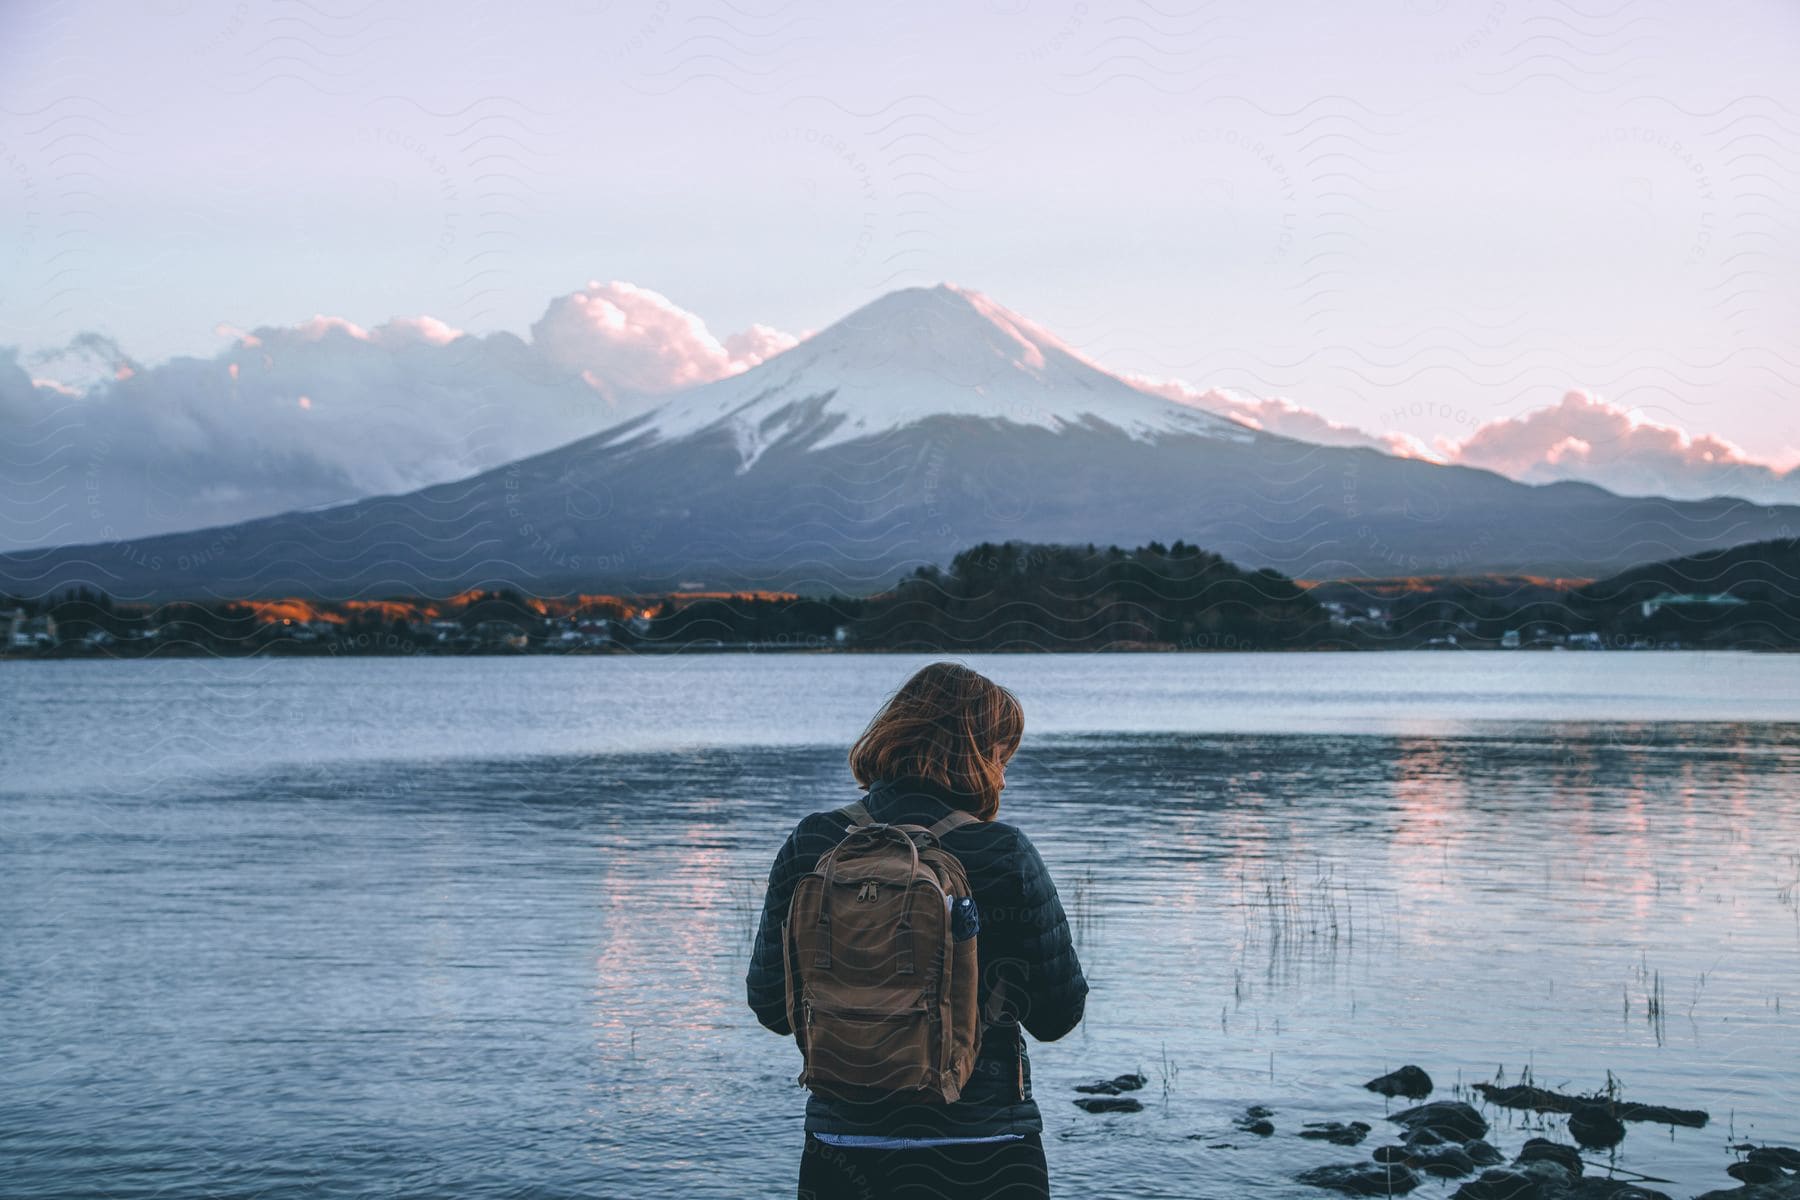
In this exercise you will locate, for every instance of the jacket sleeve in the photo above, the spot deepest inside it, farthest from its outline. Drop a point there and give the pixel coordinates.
(766, 983)
(1055, 989)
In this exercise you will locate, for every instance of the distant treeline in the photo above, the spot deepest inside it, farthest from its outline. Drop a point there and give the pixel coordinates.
(995, 596)
(1016, 596)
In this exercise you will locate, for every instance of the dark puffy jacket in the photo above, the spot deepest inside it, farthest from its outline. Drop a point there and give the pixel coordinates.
(1024, 940)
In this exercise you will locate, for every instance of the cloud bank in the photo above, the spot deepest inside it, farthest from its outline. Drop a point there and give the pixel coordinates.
(1582, 438)
(1280, 416)
(1585, 438)
(96, 446)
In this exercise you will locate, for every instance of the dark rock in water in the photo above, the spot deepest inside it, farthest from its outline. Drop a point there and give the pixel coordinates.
(1256, 1120)
(1593, 1125)
(1409, 1081)
(1500, 1183)
(1657, 1114)
(1523, 1095)
(1545, 1170)
(1755, 1172)
(1451, 1119)
(1484, 1154)
(1538, 1149)
(1106, 1104)
(1546, 1178)
(1113, 1086)
(1448, 1160)
(1336, 1132)
(1362, 1179)
(1785, 1188)
(1552, 1174)
(1536, 1099)
(1775, 1156)
(1426, 1136)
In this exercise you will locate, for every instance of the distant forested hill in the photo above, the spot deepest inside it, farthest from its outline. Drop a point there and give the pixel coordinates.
(1756, 571)
(1019, 595)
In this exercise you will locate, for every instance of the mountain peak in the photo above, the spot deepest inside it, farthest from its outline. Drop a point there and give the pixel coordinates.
(918, 353)
(943, 328)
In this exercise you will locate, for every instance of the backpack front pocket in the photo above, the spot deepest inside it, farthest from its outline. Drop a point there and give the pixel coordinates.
(889, 1049)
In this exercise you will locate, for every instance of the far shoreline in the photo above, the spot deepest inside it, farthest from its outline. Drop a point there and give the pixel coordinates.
(195, 653)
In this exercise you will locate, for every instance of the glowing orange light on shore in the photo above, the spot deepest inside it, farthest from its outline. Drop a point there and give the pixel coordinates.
(295, 610)
(271, 612)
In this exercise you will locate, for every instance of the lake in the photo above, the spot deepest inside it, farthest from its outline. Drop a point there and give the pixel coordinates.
(306, 928)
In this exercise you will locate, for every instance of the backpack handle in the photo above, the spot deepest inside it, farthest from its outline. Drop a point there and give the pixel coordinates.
(875, 832)
(857, 813)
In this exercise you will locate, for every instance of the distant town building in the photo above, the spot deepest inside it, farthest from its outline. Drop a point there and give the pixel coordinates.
(30, 633)
(1690, 600)
(583, 635)
(1351, 616)
(502, 635)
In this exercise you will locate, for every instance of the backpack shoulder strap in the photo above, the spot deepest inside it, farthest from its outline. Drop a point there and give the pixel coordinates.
(957, 818)
(992, 1011)
(857, 813)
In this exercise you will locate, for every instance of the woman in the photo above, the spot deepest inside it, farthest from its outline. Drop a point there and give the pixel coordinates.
(939, 745)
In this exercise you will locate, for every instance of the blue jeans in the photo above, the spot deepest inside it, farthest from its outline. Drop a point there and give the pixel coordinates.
(980, 1171)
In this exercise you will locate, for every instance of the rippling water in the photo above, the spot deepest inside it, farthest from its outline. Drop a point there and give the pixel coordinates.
(478, 927)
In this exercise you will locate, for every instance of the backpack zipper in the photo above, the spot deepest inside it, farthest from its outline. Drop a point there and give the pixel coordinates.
(866, 1014)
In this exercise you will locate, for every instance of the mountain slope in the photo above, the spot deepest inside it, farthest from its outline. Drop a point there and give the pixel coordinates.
(926, 422)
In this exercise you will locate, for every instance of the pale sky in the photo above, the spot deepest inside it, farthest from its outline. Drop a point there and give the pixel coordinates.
(1413, 217)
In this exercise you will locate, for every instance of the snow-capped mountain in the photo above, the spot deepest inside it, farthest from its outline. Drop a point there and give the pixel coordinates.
(921, 424)
(914, 354)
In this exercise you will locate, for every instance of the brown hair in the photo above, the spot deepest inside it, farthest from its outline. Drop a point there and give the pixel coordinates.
(949, 725)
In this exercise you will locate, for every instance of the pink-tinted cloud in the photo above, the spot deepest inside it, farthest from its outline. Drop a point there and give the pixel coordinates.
(757, 343)
(1279, 415)
(320, 327)
(430, 330)
(627, 340)
(1583, 438)
(1586, 438)
(396, 331)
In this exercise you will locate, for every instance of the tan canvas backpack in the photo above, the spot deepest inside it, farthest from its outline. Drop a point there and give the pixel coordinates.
(881, 995)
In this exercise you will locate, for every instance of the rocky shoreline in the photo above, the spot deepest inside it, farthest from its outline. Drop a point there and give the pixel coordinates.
(1448, 1139)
